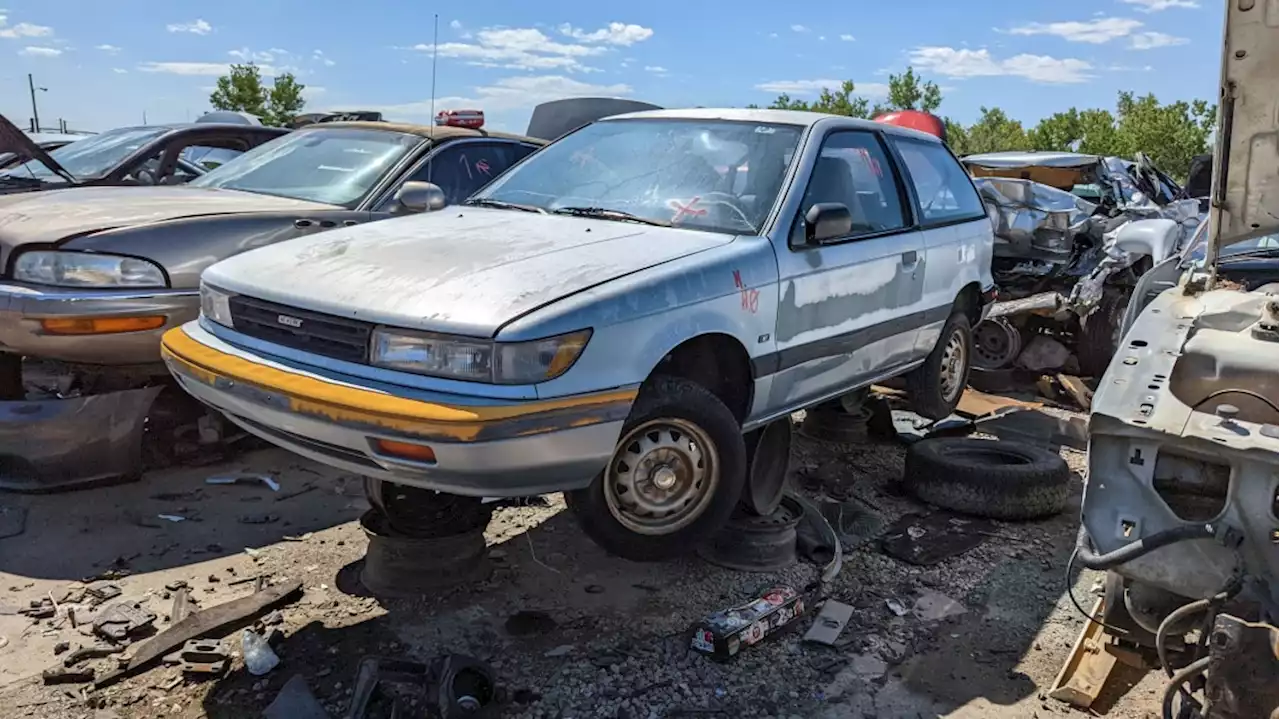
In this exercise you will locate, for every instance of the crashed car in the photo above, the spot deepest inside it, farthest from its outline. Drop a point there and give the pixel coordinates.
(1181, 501)
(609, 317)
(94, 276)
(128, 156)
(1056, 216)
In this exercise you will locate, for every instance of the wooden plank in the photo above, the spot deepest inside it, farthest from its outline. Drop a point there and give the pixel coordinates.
(1078, 390)
(199, 625)
(1085, 672)
(979, 404)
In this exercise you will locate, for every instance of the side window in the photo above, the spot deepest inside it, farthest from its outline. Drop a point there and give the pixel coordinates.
(853, 170)
(462, 168)
(523, 151)
(944, 191)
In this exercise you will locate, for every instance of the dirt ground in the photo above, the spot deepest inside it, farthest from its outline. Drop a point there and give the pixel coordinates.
(617, 645)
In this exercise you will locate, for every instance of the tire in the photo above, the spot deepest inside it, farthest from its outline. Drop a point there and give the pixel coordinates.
(424, 513)
(987, 478)
(1100, 337)
(928, 397)
(671, 402)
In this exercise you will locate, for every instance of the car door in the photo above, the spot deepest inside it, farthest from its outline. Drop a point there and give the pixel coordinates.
(844, 314)
(953, 227)
(460, 167)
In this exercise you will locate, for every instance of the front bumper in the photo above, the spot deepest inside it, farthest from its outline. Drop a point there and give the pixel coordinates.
(22, 306)
(482, 447)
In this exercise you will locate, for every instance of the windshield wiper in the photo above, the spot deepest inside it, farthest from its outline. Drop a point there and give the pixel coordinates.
(500, 205)
(605, 213)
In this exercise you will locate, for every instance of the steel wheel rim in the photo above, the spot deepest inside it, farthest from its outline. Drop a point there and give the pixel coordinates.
(662, 476)
(995, 344)
(951, 375)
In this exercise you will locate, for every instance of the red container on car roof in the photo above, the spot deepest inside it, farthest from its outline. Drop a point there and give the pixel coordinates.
(916, 120)
(473, 119)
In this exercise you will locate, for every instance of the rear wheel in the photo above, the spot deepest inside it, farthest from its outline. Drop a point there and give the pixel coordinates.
(935, 386)
(674, 478)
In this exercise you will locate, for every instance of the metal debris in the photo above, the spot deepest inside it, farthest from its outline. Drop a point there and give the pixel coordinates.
(933, 606)
(203, 656)
(829, 623)
(295, 701)
(122, 620)
(63, 675)
(262, 479)
(925, 539)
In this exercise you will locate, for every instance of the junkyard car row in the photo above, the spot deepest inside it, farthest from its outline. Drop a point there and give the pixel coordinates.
(619, 306)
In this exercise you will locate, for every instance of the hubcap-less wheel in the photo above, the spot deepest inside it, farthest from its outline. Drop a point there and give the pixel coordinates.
(951, 373)
(662, 476)
(996, 344)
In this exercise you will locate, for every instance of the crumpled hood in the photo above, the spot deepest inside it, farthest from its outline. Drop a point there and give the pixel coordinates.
(460, 270)
(52, 216)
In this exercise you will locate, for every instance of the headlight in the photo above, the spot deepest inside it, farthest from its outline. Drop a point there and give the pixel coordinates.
(216, 305)
(477, 360)
(85, 269)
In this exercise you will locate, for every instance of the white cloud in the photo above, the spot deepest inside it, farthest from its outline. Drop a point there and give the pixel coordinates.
(32, 51)
(616, 33)
(1158, 5)
(847, 38)
(953, 62)
(22, 29)
(773, 34)
(107, 48)
(656, 69)
(119, 71)
(822, 37)
(1094, 32)
(512, 93)
(455, 24)
(199, 27)
(813, 87)
(189, 68)
(518, 49)
(1151, 40)
(244, 54)
(799, 28)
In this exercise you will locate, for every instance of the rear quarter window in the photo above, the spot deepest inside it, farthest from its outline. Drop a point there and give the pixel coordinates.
(944, 193)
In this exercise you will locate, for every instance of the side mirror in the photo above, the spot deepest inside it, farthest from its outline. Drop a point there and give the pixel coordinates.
(414, 196)
(826, 221)
(1156, 238)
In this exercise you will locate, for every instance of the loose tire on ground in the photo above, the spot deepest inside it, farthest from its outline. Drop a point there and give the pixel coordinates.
(987, 478)
(935, 387)
(683, 402)
(424, 513)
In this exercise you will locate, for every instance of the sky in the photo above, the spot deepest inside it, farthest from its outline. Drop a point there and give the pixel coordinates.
(105, 65)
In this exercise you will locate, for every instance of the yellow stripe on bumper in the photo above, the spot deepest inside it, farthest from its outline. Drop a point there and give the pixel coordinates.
(346, 405)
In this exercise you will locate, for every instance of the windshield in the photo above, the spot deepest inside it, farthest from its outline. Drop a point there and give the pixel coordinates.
(93, 156)
(716, 175)
(335, 166)
(1252, 243)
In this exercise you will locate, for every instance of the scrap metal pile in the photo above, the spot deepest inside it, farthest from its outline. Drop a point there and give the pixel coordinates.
(1056, 218)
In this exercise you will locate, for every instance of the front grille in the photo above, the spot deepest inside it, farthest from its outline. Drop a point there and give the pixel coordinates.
(313, 332)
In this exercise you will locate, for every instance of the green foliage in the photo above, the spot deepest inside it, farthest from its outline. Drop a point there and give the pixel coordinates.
(1169, 134)
(241, 90)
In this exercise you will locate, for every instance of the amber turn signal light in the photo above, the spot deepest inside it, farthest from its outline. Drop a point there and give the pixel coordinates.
(405, 450)
(99, 325)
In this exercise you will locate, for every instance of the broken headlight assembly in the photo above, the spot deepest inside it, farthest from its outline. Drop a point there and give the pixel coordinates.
(476, 360)
(215, 305)
(86, 269)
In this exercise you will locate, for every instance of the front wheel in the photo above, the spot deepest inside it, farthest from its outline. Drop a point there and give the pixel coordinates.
(676, 474)
(934, 388)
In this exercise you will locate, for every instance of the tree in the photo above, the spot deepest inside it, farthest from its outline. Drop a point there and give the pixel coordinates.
(1169, 134)
(957, 137)
(906, 92)
(995, 131)
(241, 90)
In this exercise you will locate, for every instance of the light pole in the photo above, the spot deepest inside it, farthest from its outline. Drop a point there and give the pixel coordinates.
(35, 113)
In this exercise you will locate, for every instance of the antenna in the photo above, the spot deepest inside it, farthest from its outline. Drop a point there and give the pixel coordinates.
(435, 53)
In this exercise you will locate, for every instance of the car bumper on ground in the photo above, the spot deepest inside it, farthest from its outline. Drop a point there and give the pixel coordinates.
(479, 447)
(114, 327)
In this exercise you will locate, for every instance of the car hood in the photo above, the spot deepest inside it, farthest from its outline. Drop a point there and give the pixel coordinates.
(467, 270)
(50, 217)
(15, 141)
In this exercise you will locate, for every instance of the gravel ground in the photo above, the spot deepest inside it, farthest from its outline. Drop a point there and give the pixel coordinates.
(616, 644)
